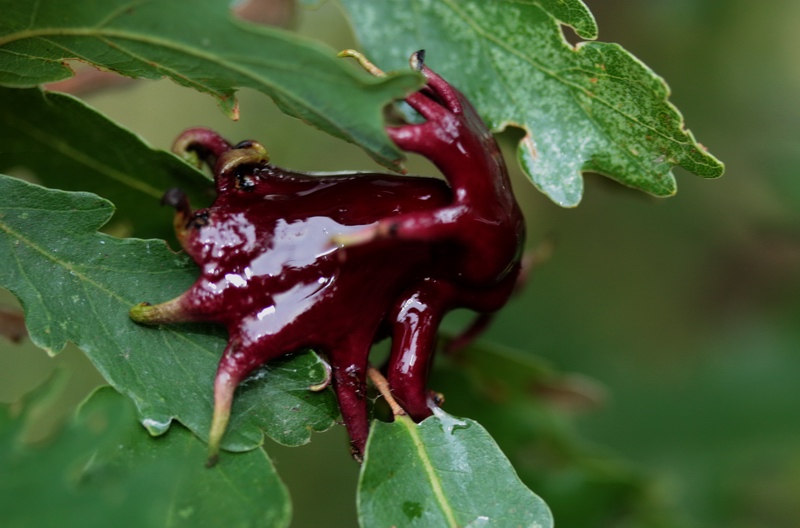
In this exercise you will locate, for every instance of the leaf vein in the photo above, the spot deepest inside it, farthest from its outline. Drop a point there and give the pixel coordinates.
(430, 471)
(174, 46)
(480, 31)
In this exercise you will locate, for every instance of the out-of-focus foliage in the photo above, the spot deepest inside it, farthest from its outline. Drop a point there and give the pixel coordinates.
(104, 469)
(527, 406)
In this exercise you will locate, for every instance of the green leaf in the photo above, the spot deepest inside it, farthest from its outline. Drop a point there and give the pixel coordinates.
(592, 108)
(446, 471)
(104, 470)
(572, 13)
(198, 44)
(242, 490)
(77, 285)
(70, 146)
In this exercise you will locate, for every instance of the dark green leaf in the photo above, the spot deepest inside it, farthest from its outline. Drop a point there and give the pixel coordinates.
(446, 471)
(198, 44)
(104, 470)
(78, 285)
(70, 146)
(591, 108)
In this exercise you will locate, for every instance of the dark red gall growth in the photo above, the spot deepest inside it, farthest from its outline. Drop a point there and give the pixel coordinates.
(291, 260)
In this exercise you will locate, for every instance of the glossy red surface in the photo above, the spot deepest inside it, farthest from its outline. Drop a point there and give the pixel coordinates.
(291, 260)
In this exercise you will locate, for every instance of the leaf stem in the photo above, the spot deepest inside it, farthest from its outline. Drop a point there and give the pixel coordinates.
(383, 387)
(363, 61)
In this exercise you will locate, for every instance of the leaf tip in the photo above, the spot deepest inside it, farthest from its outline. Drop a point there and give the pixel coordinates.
(229, 106)
(156, 426)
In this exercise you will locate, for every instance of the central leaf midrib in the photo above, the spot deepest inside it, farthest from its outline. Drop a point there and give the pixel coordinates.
(430, 471)
(126, 35)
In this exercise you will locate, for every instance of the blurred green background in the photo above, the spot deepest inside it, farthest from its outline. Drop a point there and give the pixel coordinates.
(686, 309)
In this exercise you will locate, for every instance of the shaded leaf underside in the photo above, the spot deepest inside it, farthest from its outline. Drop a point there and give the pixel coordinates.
(199, 45)
(70, 146)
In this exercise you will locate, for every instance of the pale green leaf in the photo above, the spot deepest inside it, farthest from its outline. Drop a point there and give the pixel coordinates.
(446, 471)
(590, 108)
